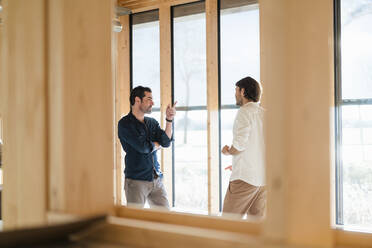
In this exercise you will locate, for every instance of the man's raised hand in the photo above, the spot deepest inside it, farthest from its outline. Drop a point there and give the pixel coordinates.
(171, 111)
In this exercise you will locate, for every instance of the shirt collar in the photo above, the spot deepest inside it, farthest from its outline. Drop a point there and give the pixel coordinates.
(251, 103)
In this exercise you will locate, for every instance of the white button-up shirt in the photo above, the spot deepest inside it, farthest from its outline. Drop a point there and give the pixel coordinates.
(248, 138)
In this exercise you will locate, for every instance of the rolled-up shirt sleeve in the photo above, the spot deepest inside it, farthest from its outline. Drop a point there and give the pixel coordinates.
(139, 142)
(162, 137)
(241, 132)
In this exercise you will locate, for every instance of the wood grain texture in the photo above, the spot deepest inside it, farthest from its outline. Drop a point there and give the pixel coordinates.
(83, 141)
(23, 100)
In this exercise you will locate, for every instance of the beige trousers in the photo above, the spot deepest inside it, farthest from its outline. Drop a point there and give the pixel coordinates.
(244, 198)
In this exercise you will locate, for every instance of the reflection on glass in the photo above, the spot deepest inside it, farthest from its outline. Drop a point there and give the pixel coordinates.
(191, 161)
(240, 48)
(356, 49)
(190, 154)
(357, 165)
(146, 52)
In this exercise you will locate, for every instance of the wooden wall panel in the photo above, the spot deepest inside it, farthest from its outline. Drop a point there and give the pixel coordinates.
(23, 100)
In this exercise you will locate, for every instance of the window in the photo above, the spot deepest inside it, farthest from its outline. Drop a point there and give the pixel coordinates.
(189, 80)
(146, 53)
(240, 57)
(354, 113)
(145, 61)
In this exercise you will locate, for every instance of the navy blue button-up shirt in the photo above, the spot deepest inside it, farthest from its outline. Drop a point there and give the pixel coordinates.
(137, 140)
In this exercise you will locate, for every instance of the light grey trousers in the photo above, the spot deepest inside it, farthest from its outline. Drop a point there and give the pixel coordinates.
(138, 191)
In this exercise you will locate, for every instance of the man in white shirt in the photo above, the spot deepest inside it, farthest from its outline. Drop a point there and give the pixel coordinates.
(246, 193)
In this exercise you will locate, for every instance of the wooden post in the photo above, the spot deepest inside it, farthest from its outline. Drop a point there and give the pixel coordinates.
(166, 89)
(122, 98)
(24, 109)
(297, 73)
(212, 105)
(81, 106)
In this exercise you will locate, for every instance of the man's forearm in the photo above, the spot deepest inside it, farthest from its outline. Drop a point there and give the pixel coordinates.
(168, 129)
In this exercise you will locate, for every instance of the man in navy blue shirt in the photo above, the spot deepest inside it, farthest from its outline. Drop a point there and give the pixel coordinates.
(141, 137)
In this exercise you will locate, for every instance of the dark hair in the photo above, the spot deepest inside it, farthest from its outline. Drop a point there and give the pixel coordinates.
(138, 91)
(252, 89)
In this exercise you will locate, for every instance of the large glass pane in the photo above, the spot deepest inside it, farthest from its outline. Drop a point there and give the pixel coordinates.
(146, 58)
(146, 52)
(240, 57)
(189, 42)
(190, 154)
(240, 47)
(191, 161)
(356, 49)
(357, 165)
(227, 121)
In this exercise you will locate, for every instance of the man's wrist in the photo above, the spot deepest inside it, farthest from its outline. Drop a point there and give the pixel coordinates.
(168, 120)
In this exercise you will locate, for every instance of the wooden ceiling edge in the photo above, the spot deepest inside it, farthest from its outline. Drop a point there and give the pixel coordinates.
(137, 7)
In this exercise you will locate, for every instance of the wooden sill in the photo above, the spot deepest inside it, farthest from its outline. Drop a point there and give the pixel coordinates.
(140, 233)
(347, 238)
(252, 227)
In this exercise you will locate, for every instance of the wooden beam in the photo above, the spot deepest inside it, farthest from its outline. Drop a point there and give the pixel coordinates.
(81, 105)
(166, 90)
(211, 7)
(24, 109)
(122, 99)
(294, 73)
(146, 5)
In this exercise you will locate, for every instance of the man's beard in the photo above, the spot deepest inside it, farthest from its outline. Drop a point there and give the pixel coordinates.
(238, 102)
(147, 111)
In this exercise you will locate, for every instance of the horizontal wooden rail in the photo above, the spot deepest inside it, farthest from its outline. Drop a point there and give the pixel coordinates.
(252, 227)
